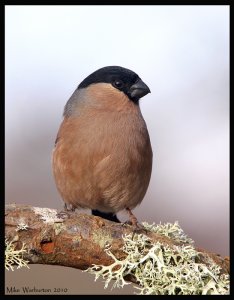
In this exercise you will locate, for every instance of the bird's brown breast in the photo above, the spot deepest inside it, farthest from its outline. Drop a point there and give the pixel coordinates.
(103, 158)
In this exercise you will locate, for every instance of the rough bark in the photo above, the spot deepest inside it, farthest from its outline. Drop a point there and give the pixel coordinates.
(76, 240)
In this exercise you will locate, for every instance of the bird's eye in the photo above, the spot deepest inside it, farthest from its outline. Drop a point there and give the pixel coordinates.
(118, 83)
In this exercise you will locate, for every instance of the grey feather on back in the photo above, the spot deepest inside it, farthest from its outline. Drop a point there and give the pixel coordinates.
(74, 103)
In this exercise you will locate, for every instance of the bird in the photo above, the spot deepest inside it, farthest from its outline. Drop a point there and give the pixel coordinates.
(102, 158)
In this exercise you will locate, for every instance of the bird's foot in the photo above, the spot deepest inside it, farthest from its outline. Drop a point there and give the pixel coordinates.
(69, 207)
(67, 211)
(137, 227)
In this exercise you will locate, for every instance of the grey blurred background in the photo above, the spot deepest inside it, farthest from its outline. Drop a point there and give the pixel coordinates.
(182, 53)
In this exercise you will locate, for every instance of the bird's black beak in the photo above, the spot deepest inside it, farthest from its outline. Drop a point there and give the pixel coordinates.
(139, 90)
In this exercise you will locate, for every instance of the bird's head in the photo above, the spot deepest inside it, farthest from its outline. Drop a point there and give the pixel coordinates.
(109, 88)
(122, 79)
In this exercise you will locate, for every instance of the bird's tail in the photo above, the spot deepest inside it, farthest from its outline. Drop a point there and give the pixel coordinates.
(108, 216)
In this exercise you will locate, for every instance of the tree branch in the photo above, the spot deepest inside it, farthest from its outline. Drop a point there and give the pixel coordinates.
(75, 240)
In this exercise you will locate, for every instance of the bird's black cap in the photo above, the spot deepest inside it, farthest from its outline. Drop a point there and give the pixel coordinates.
(123, 79)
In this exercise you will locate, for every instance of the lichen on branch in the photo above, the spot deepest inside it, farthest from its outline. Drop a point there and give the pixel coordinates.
(163, 260)
(14, 257)
(162, 270)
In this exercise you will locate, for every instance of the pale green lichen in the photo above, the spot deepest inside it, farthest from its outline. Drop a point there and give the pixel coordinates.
(58, 228)
(47, 215)
(103, 240)
(14, 257)
(163, 270)
(22, 226)
(172, 231)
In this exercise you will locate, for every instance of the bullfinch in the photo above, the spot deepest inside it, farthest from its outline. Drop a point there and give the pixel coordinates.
(102, 159)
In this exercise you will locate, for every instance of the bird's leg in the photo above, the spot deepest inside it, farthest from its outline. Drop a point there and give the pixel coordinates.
(138, 228)
(67, 211)
(132, 218)
(69, 207)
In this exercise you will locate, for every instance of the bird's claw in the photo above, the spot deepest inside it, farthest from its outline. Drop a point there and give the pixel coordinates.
(137, 227)
(68, 210)
(69, 207)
